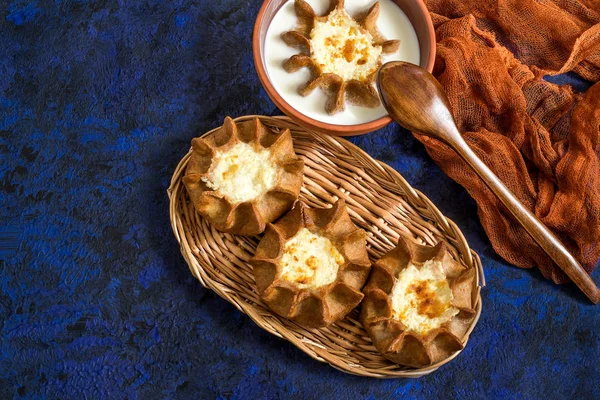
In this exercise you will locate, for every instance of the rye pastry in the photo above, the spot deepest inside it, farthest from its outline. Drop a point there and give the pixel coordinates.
(243, 176)
(419, 303)
(342, 54)
(311, 265)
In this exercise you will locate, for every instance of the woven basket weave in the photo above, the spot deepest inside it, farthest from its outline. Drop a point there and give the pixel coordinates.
(379, 201)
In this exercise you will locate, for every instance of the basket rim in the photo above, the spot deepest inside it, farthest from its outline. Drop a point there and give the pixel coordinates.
(316, 351)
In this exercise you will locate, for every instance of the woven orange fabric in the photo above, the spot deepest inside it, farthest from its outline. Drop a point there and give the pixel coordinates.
(541, 139)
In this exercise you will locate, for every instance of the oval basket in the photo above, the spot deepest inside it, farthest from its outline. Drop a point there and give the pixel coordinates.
(379, 201)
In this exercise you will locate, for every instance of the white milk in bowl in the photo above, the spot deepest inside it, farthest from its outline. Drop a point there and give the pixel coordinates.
(392, 23)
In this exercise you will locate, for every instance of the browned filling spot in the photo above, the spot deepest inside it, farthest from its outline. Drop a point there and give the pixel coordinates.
(232, 170)
(427, 302)
(348, 50)
(331, 42)
(312, 262)
(362, 61)
(364, 52)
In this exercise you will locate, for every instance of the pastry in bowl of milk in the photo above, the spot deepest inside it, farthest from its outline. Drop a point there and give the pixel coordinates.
(243, 176)
(311, 265)
(419, 303)
(318, 59)
(342, 54)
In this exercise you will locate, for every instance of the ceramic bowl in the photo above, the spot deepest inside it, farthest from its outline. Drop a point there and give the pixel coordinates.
(417, 14)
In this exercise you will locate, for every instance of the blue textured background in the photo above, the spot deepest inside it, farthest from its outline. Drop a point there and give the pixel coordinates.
(98, 102)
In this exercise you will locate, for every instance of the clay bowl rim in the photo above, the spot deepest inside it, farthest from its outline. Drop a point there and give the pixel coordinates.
(308, 122)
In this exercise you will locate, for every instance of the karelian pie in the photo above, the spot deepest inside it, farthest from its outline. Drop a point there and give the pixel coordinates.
(341, 53)
(311, 265)
(243, 176)
(419, 303)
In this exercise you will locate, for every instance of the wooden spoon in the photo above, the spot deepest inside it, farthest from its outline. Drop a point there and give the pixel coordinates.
(416, 101)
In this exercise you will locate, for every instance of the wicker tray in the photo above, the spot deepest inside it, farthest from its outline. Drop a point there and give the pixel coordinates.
(379, 200)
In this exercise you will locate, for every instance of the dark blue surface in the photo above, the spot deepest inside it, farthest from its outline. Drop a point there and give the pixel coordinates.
(98, 102)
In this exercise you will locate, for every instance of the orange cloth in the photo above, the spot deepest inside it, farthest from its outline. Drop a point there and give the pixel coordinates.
(541, 139)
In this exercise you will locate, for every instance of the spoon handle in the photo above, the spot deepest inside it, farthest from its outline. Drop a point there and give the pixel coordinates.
(538, 231)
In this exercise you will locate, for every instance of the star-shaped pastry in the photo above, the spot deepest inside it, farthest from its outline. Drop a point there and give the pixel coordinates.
(342, 54)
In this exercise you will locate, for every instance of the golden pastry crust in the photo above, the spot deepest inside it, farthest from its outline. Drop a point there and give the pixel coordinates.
(249, 217)
(319, 307)
(389, 335)
(360, 92)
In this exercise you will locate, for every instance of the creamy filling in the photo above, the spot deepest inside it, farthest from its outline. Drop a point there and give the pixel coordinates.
(242, 173)
(340, 46)
(310, 260)
(421, 298)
